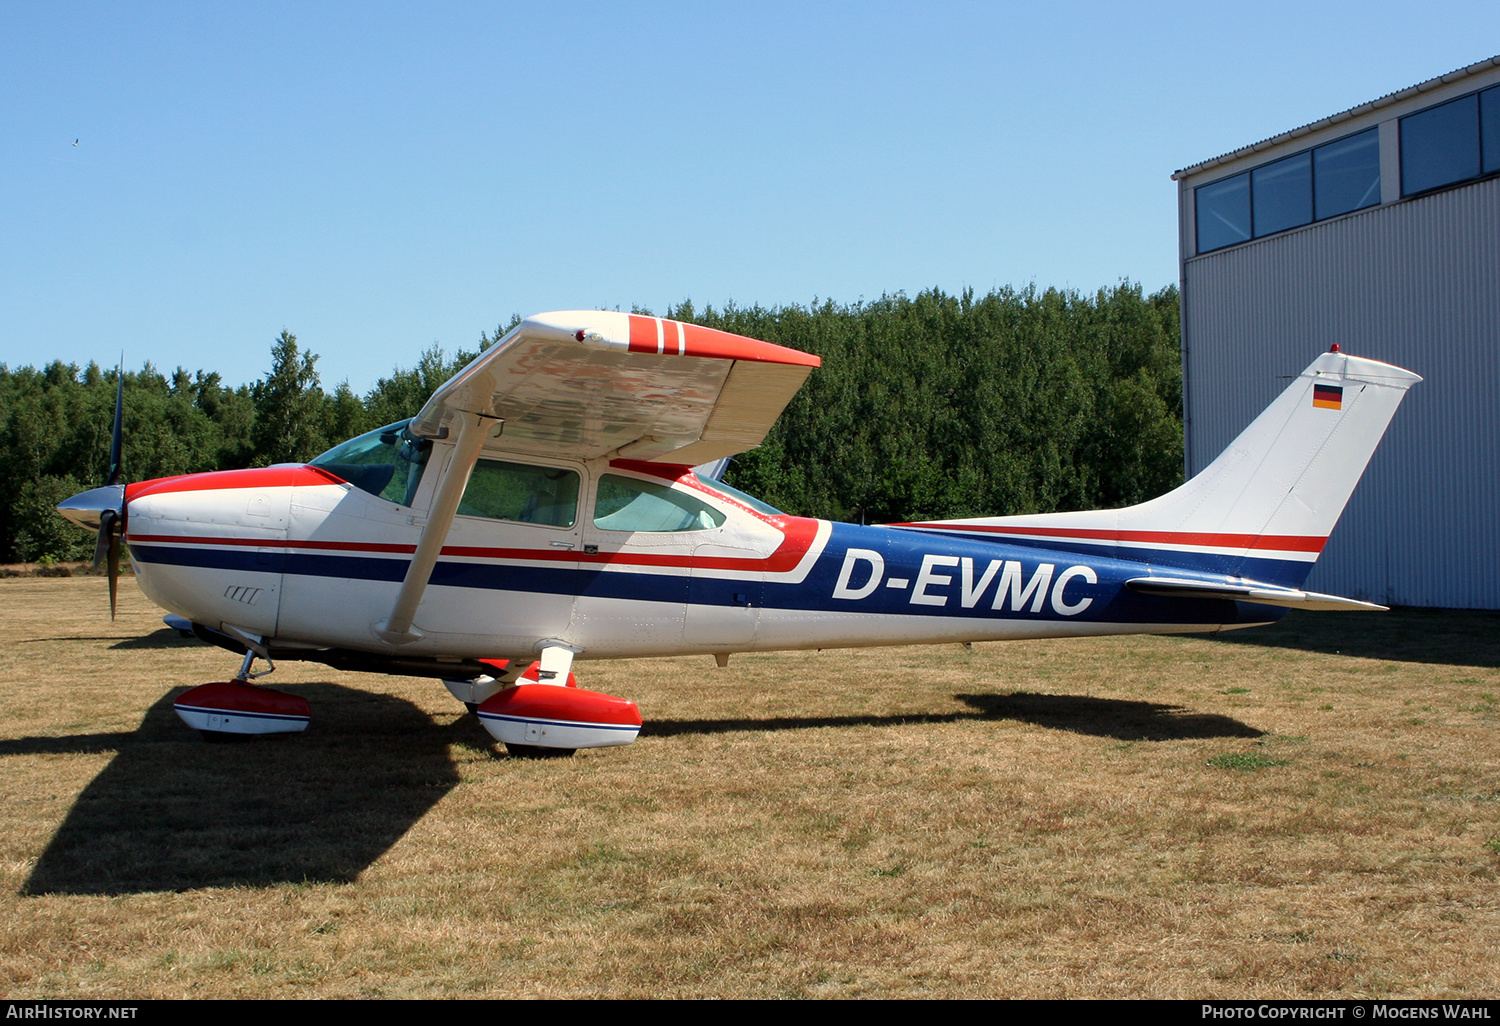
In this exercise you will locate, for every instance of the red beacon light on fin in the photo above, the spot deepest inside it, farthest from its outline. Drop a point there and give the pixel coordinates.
(1334, 348)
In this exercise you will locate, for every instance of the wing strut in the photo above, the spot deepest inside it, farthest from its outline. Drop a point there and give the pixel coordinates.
(471, 435)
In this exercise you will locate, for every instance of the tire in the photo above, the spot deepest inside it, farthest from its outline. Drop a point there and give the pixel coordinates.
(537, 752)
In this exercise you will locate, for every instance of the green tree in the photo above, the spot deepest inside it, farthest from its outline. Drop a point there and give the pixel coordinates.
(288, 406)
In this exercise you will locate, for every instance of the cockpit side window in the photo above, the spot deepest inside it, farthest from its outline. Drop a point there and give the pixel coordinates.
(387, 462)
(626, 504)
(521, 493)
(739, 496)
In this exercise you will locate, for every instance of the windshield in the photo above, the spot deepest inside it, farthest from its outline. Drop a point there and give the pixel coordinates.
(386, 462)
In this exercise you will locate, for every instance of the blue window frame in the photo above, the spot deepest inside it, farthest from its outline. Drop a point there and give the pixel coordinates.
(1451, 142)
(1282, 194)
(1440, 145)
(1326, 181)
(1489, 129)
(1346, 174)
(1223, 213)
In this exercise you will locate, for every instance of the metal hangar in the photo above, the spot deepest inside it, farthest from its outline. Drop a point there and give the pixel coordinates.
(1377, 229)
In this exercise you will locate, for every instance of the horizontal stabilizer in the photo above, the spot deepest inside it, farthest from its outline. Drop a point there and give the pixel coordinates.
(1246, 591)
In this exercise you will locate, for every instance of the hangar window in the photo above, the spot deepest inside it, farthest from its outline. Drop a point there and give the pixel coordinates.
(1223, 213)
(1282, 194)
(1440, 145)
(1346, 174)
(1452, 142)
(1329, 180)
(1489, 128)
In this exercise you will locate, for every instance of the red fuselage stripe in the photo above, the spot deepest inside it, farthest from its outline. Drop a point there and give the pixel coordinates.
(799, 537)
(1278, 542)
(261, 477)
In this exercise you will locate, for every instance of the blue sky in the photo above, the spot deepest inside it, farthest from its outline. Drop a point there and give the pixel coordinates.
(379, 177)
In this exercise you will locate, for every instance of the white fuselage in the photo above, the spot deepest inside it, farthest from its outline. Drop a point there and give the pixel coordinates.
(293, 554)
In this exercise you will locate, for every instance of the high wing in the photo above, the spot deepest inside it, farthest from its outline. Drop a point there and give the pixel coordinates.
(586, 383)
(581, 384)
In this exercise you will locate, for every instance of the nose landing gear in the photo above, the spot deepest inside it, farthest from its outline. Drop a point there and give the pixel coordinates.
(227, 710)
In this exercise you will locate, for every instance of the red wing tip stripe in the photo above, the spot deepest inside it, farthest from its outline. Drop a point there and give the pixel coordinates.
(649, 335)
(1279, 542)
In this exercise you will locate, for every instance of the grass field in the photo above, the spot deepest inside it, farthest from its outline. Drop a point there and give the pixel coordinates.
(1306, 810)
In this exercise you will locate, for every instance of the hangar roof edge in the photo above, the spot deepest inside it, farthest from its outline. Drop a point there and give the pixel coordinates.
(1364, 108)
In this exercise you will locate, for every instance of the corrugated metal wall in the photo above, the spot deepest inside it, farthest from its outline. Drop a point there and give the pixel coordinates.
(1416, 284)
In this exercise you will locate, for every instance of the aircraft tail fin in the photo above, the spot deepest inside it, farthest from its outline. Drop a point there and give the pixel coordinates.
(1264, 508)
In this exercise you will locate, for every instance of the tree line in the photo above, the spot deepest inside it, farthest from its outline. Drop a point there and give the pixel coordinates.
(926, 407)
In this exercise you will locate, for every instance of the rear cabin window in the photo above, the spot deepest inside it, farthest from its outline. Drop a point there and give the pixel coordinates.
(734, 493)
(521, 493)
(625, 504)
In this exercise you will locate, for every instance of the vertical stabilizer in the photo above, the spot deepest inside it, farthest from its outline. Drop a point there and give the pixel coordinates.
(1265, 507)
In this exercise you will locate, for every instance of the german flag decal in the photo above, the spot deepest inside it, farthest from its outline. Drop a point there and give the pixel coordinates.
(1328, 397)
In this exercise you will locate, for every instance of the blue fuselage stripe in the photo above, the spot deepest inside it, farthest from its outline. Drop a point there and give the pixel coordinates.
(957, 569)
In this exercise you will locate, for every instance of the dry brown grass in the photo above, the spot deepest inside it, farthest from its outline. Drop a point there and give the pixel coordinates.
(1164, 817)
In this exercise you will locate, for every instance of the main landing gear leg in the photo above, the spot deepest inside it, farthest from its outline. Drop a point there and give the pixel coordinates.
(233, 709)
(472, 693)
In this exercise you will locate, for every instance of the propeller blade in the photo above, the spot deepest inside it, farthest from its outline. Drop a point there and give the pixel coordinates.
(113, 571)
(103, 509)
(115, 444)
(107, 520)
(110, 526)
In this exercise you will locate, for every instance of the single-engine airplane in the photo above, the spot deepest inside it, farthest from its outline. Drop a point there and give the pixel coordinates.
(543, 508)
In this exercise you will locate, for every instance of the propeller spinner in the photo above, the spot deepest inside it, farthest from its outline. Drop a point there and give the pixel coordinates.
(103, 509)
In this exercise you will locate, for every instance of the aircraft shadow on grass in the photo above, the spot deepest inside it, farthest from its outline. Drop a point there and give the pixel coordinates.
(171, 812)
(1080, 714)
(156, 639)
(1455, 637)
(165, 638)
